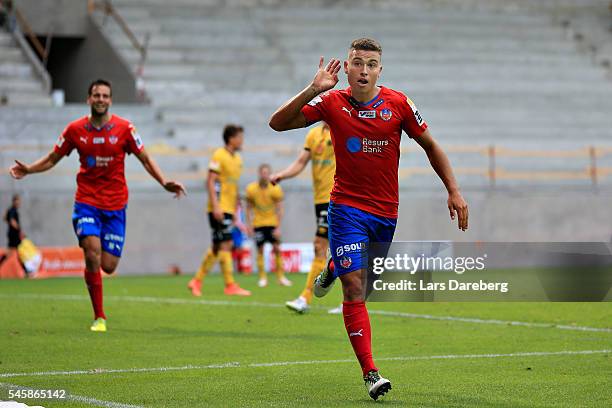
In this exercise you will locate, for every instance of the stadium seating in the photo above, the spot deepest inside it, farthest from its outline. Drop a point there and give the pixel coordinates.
(482, 73)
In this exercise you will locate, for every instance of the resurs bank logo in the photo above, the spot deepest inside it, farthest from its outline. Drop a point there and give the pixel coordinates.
(356, 144)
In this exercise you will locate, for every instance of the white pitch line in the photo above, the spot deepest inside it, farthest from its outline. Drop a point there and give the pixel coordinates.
(293, 363)
(79, 398)
(120, 370)
(181, 301)
(490, 321)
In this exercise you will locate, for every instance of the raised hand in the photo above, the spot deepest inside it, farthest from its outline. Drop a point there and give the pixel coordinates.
(175, 187)
(18, 170)
(326, 77)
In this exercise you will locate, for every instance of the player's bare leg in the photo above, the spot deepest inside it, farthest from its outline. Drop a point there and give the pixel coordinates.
(357, 323)
(92, 250)
(109, 263)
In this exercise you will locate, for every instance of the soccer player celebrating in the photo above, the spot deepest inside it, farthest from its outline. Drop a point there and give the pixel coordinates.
(264, 214)
(222, 185)
(366, 122)
(318, 148)
(102, 141)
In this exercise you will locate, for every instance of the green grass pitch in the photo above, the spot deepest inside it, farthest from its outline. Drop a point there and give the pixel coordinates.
(253, 352)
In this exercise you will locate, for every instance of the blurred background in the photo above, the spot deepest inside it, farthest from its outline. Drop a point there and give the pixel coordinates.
(518, 92)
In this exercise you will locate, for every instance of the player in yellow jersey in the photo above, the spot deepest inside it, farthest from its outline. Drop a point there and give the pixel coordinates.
(222, 185)
(264, 214)
(319, 150)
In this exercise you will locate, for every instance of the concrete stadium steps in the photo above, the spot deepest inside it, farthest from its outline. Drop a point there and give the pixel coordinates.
(415, 44)
(70, 112)
(465, 134)
(10, 53)
(19, 85)
(46, 134)
(501, 73)
(198, 41)
(15, 69)
(482, 73)
(202, 55)
(42, 125)
(517, 114)
(171, 72)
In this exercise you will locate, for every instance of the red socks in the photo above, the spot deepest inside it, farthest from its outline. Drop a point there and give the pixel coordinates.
(357, 323)
(94, 286)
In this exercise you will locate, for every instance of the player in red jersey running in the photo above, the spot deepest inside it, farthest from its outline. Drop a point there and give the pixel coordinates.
(102, 141)
(366, 122)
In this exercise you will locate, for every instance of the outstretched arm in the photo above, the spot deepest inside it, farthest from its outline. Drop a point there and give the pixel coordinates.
(290, 116)
(153, 169)
(441, 165)
(293, 169)
(19, 170)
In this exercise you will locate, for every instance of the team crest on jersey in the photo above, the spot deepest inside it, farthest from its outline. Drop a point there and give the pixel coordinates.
(346, 262)
(113, 139)
(386, 114)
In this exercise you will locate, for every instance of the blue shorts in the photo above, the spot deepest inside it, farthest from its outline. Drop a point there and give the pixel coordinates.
(88, 220)
(350, 232)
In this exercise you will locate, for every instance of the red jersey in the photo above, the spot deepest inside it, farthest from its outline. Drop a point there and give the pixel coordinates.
(101, 178)
(366, 139)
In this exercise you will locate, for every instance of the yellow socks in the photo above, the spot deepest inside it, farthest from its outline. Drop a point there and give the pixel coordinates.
(260, 265)
(315, 269)
(279, 270)
(227, 267)
(207, 263)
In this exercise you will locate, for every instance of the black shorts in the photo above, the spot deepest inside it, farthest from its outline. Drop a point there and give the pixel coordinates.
(14, 240)
(221, 231)
(321, 214)
(264, 234)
